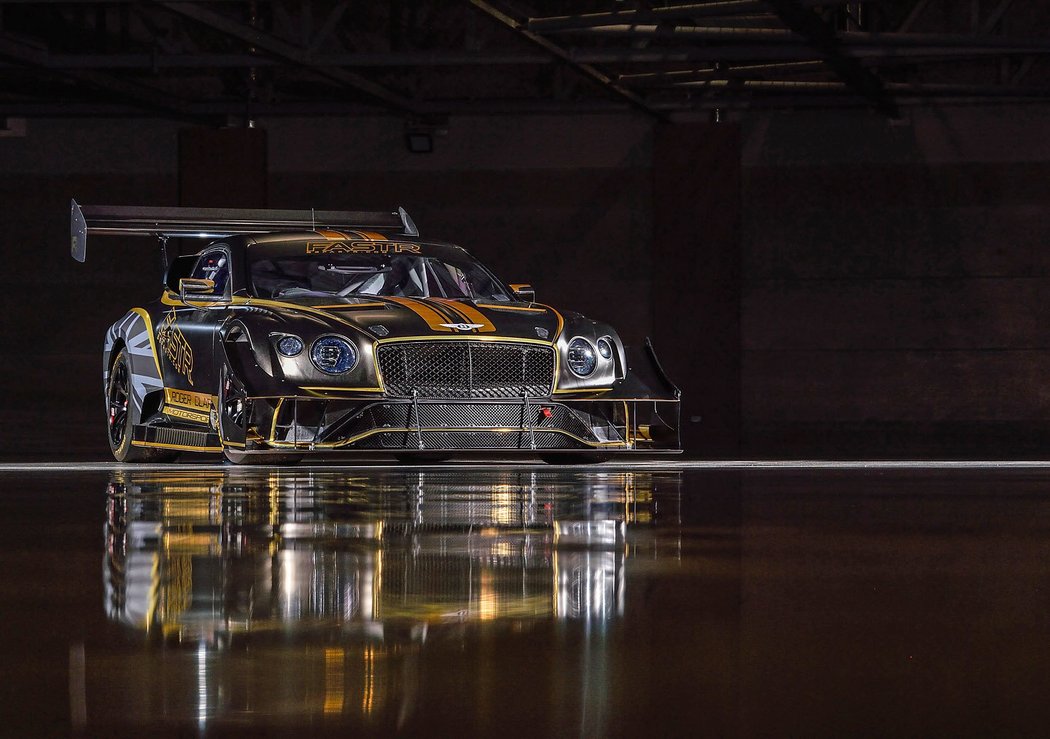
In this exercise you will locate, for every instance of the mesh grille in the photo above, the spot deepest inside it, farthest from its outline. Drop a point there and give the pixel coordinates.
(466, 369)
(482, 416)
(468, 440)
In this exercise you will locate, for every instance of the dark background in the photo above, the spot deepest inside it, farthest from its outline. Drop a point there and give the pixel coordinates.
(820, 280)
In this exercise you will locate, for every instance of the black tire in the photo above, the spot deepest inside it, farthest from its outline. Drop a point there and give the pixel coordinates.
(276, 460)
(574, 458)
(119, 421)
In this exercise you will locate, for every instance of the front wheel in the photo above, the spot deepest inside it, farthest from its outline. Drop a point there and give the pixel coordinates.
(119, 421)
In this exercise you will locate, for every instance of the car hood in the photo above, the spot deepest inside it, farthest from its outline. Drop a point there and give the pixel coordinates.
(390, 317)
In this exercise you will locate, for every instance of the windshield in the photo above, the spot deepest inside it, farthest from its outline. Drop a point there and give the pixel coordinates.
(282, 271)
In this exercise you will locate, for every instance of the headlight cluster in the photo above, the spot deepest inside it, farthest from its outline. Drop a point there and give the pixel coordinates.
(289, 346)
(582, 356)
(333, 355)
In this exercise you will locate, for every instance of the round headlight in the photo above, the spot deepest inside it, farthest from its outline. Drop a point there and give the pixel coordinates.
(333, 354)
(605, 347)
(290, 346)
(581, 357)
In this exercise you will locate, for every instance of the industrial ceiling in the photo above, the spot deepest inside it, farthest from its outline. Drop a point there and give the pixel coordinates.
(225, 61)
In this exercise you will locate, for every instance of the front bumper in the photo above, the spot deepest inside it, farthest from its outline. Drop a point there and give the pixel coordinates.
(311, 424)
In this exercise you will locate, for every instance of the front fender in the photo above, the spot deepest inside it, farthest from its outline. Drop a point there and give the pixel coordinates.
(135, 333)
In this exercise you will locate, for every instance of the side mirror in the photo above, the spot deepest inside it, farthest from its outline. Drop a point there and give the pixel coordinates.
(198, 290)
(523, 292)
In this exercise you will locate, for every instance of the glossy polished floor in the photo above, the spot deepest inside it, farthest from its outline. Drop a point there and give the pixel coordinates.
(663, 600)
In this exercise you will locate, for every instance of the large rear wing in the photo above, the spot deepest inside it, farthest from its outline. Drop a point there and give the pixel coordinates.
(215, 223)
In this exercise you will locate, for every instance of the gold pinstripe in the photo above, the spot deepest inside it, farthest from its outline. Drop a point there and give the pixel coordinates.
(325, 388)
(466, 337)
(346, 306)
(152, 345)
(561, 321)
(511, 307)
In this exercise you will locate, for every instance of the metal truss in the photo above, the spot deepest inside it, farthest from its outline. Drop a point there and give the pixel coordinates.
(212, 61)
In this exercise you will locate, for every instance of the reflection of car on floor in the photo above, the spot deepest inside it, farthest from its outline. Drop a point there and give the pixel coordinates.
(194, 552)
(303, 593)
(283, 337)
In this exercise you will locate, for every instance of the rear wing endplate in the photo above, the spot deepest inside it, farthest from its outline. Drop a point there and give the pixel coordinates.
(216, 223)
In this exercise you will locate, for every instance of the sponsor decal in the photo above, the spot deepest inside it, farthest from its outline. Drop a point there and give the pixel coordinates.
(361, 247)
(200, 402)
(187, 415)
(175, 347)
(462, 326)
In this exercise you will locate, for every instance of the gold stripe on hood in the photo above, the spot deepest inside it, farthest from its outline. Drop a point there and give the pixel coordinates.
(424, 311)
(332, 235)
(469, 313)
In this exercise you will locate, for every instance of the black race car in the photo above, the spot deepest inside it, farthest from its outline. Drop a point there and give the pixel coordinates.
(294, 332)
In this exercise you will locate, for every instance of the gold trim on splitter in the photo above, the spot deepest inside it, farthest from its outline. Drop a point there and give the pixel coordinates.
(372, 432)
(180, 447)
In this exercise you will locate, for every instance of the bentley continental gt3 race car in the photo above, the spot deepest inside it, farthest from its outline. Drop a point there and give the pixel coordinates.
(295, 333)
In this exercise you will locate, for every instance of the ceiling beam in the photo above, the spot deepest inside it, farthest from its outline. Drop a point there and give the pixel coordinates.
(290, 52)
(584, 68)
(996, 15)
(889, 46)
(821, 36)
(913, 15)
(34, 56)
(665, 13)
(743, 97)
